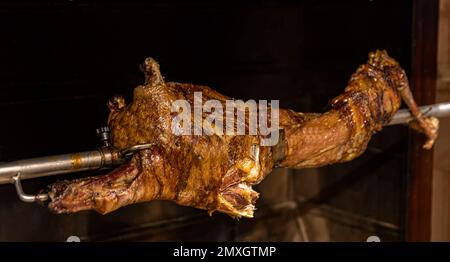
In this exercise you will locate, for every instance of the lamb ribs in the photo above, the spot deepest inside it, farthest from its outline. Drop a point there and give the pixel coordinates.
(217, 172)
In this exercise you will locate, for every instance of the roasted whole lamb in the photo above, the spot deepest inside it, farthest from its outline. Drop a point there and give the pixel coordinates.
(217, 172)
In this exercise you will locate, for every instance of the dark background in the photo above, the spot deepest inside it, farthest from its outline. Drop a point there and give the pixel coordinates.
(61, 61)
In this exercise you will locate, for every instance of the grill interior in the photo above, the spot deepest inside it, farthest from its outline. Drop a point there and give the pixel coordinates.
(61, 62)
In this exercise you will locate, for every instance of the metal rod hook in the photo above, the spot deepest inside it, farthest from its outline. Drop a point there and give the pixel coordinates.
(133, 149)
(25, 197)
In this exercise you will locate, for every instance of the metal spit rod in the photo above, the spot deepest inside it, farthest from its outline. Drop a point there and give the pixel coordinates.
(404, 116)
(59, 164)
(106, 157)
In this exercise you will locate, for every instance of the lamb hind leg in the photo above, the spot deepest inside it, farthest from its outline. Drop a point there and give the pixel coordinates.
(427, 125)
(396, 76)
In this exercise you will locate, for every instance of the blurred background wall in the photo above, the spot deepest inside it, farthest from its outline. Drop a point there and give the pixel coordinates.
(441, 181)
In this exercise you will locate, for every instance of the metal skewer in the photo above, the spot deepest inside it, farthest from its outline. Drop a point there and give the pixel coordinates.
(403, 116)
(108, 157)
(102, 158)
(59, 164)
(16, 171)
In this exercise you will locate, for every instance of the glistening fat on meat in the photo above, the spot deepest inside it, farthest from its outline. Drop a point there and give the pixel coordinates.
(217, 172)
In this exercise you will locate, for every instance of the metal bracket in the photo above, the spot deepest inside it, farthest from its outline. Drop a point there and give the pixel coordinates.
(25, 197)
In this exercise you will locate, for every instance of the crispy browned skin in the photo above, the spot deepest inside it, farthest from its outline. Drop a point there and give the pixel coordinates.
(216, 173)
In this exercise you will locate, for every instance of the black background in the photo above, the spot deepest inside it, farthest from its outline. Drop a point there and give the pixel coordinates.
(61, 61)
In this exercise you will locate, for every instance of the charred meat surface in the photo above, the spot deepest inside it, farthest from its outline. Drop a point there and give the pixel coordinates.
(217, 172)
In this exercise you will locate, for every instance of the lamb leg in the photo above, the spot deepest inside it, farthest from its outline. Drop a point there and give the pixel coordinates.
(370, 100)
(122, 186)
